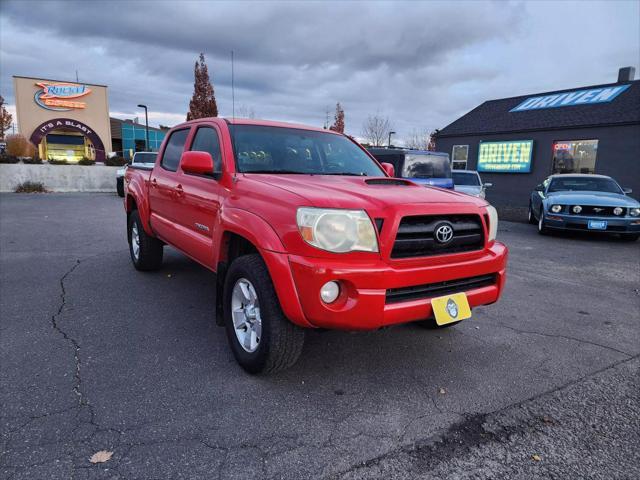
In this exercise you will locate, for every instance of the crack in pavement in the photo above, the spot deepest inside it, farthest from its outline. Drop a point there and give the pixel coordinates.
(558, 335)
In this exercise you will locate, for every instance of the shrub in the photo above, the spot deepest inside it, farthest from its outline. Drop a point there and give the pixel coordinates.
(54, 161)
(30, 150)
(17, 145)
(32, 161)
(4, 158)
(86, 161)
(116, 161)
(31, 187)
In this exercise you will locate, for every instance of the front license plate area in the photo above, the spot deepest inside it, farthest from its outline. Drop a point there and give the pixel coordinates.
(451, 308)
(597, 225)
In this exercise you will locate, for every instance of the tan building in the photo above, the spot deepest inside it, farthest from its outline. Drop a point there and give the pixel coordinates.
(65, 120)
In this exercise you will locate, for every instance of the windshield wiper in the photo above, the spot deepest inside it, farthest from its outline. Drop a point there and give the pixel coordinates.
(278, 171)
(350, 174)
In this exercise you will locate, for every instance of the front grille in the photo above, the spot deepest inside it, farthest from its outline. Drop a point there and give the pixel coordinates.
(597, 211)
(430, 290)
(415, 237)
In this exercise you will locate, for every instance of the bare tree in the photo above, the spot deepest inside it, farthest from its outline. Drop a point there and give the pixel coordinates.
(421, 139)
(418, 139)
(244, 111)
(376, 130)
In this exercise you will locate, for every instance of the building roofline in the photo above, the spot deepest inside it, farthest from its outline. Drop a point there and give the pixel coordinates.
(58, 80)
(545, 129)
(562, 90)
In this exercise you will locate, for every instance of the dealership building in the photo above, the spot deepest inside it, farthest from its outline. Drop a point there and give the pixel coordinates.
(517, 142)
(70, 120)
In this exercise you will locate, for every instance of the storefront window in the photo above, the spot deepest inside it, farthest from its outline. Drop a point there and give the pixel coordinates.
(575, 156)
(459, 157)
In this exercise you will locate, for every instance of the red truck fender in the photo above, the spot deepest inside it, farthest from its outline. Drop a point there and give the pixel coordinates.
(135, 199)
(263, 237)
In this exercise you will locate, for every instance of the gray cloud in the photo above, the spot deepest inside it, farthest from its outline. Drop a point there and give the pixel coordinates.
(420, 63)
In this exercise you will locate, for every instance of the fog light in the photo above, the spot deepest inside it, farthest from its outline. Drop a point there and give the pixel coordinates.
(635, 212)
(329, 292)
(617, 211)
(577, 209)
(556, 208)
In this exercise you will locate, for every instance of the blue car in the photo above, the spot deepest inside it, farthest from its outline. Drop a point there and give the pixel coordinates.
(582, 202)
(420, 166)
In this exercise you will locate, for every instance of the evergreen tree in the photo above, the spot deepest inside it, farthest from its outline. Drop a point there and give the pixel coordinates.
(203, 102)
(338, 124)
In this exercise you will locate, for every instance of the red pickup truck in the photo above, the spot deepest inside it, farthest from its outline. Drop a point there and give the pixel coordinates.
(305, 229)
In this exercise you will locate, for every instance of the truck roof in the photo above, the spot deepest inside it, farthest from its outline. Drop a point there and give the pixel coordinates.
(260, 122)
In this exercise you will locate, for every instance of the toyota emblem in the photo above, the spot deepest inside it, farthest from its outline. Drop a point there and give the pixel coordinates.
(443, 233)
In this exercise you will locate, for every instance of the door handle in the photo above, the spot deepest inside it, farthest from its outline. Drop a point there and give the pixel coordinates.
(154, 182)
(179, 190)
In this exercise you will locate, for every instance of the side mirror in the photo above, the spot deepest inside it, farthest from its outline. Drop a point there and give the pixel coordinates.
(627, 191)
(539, 188)
(199, 163)
(389, 169)
(487, 185)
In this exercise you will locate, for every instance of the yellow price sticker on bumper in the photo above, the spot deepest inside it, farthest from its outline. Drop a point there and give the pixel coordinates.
(451, 308)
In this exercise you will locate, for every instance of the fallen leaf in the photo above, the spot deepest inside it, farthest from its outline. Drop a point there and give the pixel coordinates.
(547, 419)
(536, 457)
(101, 456)
(442, 391)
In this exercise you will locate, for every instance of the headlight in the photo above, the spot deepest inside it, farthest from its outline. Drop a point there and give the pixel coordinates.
(618, 211)
(577, 209)
(337, 230)
(556, 208)
(634, 212)
(493, 222)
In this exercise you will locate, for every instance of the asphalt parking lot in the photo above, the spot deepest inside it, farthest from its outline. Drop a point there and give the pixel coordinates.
(97, 356)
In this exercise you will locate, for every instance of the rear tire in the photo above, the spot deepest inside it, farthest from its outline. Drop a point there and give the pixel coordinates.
(146, 251)
(120, 186)
(274, 343)
(531, 216)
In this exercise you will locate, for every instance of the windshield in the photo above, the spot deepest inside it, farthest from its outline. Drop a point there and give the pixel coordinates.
(466, 178)
(593, 184)
(424, 165)
(261, 149)
(144, 157)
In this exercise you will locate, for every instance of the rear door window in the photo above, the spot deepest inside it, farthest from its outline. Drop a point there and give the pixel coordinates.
(173, 150)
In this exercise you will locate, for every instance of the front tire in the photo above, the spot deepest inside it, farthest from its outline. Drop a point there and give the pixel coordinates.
(261, 338)
(146, 251)
(542, 229)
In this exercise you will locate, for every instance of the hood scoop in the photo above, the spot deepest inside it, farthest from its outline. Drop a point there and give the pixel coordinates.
(388, 181)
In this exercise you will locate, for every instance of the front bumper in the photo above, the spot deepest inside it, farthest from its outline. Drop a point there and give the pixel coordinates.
(620, 225)
(363, 302)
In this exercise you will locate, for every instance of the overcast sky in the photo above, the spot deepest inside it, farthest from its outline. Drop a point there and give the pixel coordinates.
(422, 64)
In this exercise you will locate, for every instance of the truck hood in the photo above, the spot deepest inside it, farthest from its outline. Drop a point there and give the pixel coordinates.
(602, 199)
(333, 191)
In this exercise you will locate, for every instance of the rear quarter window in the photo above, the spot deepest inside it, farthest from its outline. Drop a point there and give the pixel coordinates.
(173, 150)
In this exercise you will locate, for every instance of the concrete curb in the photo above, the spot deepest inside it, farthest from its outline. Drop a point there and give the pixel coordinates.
(59, 178)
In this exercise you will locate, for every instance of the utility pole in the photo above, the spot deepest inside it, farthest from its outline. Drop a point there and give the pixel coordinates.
(146, 120)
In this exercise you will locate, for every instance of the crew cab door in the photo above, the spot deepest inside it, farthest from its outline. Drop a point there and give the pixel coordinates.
(165, 197)
(200, 204)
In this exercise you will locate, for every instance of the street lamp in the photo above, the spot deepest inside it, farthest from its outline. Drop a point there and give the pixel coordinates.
(146, 121)
(390, 133)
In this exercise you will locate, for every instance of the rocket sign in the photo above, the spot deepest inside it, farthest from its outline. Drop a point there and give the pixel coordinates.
(58, 96)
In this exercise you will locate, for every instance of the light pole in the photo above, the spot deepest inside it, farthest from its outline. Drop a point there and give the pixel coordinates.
(390, 133)
(146, 121)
